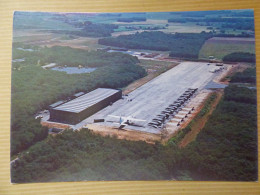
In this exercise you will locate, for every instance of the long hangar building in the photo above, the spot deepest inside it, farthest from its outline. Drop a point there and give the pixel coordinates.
(78, 109)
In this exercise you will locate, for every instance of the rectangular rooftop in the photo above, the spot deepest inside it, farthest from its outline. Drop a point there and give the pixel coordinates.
(85, 101)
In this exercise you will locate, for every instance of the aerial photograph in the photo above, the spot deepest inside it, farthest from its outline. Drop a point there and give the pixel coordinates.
(133, 96)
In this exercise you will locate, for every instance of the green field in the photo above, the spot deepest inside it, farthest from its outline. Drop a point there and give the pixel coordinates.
(220, 49)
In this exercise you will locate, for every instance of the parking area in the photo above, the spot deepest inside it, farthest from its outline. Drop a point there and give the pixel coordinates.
(152, 98)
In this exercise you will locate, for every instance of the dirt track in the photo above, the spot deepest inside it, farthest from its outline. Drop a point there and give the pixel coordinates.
(124, 134)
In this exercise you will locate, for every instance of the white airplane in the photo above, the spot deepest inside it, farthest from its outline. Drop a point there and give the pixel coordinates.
(124, 121)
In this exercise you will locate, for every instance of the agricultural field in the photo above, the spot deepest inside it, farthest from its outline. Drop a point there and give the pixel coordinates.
(222, 46)
(47, 39)
(171, 28)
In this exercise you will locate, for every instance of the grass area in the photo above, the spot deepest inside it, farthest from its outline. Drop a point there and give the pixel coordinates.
(156, 65)
(32, 38)
(91, 43)
(67, 37)
(219, 50)
(172, 28)
(189, 27)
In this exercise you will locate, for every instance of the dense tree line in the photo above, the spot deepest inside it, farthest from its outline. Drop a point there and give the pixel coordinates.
(134, 27)
(34, 88)
(202, 13)
(245, 95)
(214, 19)
(248, 76)
(239, 57)
(220, 13)
(242, 34)
(85, 156)
(182, 45)
(225, 22)
(133, 19)
(96, 30)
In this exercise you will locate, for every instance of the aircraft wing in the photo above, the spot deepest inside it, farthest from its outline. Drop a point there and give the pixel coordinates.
(135, 119)
(114, 116)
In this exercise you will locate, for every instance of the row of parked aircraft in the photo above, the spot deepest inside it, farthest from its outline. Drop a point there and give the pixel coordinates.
(173, 110)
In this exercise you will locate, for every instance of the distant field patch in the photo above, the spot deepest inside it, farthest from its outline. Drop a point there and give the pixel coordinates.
(232, 39)
(172, 28)
(185, 28)
(148, 21)
(221, 46)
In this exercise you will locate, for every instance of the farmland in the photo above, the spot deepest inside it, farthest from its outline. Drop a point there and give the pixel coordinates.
(222, 46)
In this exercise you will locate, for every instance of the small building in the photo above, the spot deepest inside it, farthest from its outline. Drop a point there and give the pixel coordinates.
(78, 109)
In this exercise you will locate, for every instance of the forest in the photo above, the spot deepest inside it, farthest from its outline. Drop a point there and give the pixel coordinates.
(240, 57)
(248, 76)
(225, 149)
(34, 88)
(213, 13)
(227, 22)
(133, 19)
(181, 45)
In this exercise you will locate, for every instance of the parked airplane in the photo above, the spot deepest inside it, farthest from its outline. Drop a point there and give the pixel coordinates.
(124, 121)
